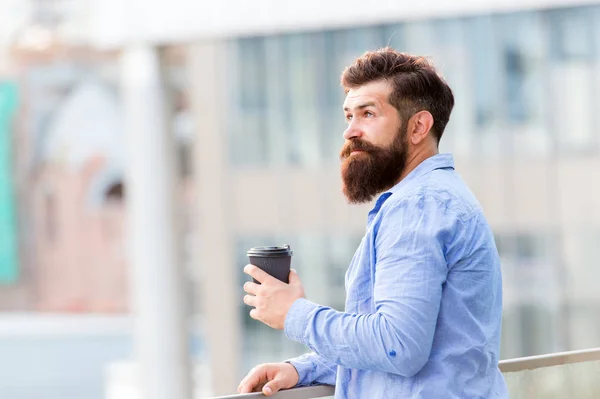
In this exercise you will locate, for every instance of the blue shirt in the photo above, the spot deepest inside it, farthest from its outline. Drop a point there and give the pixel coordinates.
(424, 300)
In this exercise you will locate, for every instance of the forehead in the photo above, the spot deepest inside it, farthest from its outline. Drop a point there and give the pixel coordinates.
(374, 92)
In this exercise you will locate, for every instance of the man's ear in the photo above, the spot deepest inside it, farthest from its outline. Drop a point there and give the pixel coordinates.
(419, 126)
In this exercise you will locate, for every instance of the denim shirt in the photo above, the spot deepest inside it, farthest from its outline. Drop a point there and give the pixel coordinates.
(424, 300)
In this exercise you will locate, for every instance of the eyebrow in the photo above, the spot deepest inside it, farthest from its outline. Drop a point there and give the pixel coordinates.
(362, 106)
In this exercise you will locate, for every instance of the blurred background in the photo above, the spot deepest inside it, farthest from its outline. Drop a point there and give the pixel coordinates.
(145, 146)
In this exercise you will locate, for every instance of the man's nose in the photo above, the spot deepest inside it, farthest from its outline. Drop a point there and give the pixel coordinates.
(353, 131)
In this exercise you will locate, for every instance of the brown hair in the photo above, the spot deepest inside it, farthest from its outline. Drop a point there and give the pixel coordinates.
(417, 85)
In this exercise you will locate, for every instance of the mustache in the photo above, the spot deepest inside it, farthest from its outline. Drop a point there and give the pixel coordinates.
(357, 145)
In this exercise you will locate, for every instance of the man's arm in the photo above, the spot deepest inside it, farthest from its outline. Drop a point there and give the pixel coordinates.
(314, 369)
(410, 270)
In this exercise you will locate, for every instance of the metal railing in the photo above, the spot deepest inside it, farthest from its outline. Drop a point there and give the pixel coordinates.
(506, 366)
(317, 391)
(550, 360)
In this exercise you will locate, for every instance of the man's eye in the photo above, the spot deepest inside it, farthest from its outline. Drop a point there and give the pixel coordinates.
(369, 114)
(348, 118)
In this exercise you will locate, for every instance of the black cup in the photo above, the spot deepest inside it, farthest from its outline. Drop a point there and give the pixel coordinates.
(275, 261)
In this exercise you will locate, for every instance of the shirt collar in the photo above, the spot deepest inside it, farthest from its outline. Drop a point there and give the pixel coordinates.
(438, 161)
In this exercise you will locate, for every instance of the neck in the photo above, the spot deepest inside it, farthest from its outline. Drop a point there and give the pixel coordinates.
(416, 158)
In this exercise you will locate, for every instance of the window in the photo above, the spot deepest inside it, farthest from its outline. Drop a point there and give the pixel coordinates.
(571, 34)
(247, 94)
(520, 37)
(451, 59)
(536, 330)
(533, 292)
(277, 112)
(526, 246)
(580, 283)
(572, 74)
(303, 52)
(485, 66)
(332, 122)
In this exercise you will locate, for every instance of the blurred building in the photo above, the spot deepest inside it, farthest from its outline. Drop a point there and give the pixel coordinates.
(78, 197)
(69, 162)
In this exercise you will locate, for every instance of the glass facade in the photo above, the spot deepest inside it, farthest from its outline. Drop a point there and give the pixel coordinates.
(524, 84)
(526, 87)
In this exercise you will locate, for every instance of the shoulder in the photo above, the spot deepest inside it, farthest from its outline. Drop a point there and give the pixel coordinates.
(440, 212)
(440, 191)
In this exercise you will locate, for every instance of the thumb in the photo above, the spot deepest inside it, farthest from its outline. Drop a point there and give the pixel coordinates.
(272, 387)
(294, 278)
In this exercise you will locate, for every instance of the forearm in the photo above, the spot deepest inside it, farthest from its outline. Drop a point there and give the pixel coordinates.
(366, 341)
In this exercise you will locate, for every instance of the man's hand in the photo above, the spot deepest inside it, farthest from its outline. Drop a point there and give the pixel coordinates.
(271, 298)
(269, 378)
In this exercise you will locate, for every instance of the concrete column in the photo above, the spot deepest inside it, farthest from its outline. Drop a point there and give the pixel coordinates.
(158, 299)
(220, 294)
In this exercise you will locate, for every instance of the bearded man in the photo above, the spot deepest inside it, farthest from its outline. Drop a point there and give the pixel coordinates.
(424, 288)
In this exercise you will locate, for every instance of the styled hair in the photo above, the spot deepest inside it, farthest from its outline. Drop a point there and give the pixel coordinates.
(417, 86)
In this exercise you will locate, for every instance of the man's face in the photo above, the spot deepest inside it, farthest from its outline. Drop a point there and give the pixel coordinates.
(376, 148)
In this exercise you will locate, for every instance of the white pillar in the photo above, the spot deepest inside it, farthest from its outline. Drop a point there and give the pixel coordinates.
(158, 301)
(220, 293)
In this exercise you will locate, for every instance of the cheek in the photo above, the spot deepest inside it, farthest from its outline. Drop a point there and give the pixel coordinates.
(380, 133)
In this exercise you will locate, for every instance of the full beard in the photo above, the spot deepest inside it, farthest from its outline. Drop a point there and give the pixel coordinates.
(375, 169)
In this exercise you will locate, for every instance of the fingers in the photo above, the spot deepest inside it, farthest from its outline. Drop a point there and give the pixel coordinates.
(252, 288)
(294, 278)
(250, 300)
(260, 275)
(269, 378)
(254, 314)
(272, 387)
(254, 378)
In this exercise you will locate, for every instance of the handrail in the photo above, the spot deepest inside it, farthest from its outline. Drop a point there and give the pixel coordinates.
(549, 360)
(317, 391)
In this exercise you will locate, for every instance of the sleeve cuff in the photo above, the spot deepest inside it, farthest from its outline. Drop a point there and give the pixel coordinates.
(304, 370)
(296, 320)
